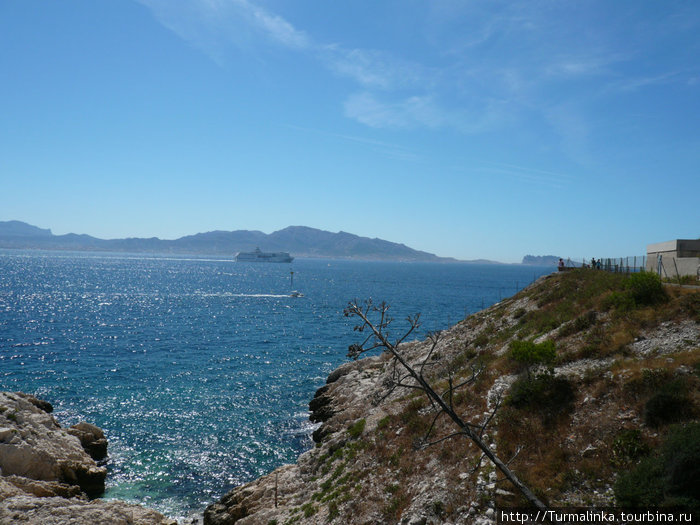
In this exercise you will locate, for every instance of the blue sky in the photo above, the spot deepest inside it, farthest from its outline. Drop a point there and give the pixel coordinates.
(467, 129)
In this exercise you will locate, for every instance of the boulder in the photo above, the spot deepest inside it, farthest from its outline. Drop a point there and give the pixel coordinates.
(46, 475)
(91, 438)
(15, 485)
(39, 403)
(34, 446)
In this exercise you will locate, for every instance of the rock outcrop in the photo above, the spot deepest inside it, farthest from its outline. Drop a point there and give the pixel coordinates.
(30, 510)
(48, 474)
(34, 446)
(92, 439)
(370, 463)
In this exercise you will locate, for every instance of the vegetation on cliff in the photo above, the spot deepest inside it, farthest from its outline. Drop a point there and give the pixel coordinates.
(590, 386)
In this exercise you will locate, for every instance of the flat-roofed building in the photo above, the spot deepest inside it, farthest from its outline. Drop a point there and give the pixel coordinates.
(674, 258)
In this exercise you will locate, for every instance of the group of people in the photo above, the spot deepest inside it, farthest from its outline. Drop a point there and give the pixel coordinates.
(594, 264)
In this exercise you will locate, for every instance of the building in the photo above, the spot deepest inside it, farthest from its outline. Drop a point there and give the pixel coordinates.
(674, 258)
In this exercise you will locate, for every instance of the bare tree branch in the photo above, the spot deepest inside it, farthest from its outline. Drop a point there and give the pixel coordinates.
(478, 464)
(431, 443)
(380, 339)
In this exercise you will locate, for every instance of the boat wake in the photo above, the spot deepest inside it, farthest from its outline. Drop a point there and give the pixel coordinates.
(258, 295)
(230, 294)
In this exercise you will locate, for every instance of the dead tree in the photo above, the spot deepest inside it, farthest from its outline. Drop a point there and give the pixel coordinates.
(375, 320)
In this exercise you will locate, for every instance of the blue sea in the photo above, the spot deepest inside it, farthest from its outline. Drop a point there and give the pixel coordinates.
(200, 370)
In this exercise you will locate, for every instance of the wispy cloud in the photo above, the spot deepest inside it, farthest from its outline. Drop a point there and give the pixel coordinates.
(215, 25)
(387, 149)
(425, 111)
(212, 24)
(529, 175)
(373, 68)
(405, 113)
(491, 65)
(582, 64)
(276, 27)
(636, 83)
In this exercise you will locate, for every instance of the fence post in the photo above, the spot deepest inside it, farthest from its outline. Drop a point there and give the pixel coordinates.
(678, 275)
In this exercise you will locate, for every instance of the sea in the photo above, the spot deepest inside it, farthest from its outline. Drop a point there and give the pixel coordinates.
(200, 369)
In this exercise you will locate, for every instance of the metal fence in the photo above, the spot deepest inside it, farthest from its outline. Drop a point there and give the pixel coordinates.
(672, 268)
(635, 263)
(631, 264)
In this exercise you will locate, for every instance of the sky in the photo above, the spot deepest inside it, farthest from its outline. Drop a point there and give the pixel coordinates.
(468, 129)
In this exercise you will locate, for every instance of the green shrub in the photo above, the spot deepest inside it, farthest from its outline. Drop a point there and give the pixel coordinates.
(438, 509)
(355, 430)
(547, 394)
(383, 423)
(628, 446)
(668, 479)
(481, 340)
(643, 486)
(650, 380)
(411, 417)
(333, 511)
(620, 301)
(681, 454)
(691, 304)
(646, 289)
(529, 354)
(667, 407)
(640, 289)
(309, 510)
(580, 324)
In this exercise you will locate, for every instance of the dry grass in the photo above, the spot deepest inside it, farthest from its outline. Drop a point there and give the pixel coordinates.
(563, 455)
(552, 458)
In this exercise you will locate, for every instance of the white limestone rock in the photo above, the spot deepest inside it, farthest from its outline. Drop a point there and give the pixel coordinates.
(30, 510)
(34, 446)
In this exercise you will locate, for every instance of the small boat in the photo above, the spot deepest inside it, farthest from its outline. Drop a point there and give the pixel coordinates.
(293, 293)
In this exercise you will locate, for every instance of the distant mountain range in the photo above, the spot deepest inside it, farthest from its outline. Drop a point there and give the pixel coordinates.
(300, 241)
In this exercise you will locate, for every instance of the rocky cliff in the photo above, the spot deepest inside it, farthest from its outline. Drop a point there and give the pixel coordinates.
(48, 474)
(624, 374)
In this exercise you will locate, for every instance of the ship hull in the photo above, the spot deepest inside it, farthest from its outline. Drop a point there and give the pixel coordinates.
(260, 256)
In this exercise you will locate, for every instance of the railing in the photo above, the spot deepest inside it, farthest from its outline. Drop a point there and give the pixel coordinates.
(631, 264)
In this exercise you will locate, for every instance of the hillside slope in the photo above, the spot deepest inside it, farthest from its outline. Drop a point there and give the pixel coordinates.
(624, 376)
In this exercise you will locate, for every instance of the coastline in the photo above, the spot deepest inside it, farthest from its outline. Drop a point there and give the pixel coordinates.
(366, 466)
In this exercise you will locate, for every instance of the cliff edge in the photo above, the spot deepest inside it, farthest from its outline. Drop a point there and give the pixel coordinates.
(623, 381)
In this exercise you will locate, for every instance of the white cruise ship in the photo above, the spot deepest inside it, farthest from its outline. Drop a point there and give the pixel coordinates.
(260, 256)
